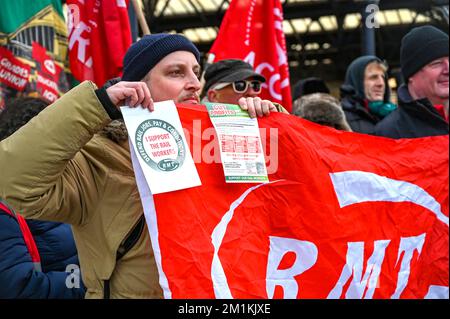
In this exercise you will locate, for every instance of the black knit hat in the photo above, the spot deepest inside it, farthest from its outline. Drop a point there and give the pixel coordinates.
(421, 46)
(143, 55)
(309, 86)
(229, 70)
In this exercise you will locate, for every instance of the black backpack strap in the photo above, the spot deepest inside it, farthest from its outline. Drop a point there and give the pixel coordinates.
(125, 246)
(106, 292)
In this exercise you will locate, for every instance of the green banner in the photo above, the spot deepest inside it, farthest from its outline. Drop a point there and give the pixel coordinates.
(33, 49)
(17, 12)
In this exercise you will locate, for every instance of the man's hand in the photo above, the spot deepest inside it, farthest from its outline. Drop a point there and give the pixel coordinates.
(131, 93)
(257, 107)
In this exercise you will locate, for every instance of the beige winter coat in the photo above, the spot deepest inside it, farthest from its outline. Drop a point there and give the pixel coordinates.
(57, 168)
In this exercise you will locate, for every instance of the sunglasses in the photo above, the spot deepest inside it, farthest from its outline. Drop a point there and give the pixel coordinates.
(241, 86)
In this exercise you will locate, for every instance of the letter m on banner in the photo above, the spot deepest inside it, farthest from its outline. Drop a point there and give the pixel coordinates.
(252, 30)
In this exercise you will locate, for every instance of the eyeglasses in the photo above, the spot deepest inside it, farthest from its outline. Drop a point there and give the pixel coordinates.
(241, 86)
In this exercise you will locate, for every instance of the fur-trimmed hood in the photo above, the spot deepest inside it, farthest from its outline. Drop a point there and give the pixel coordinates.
(116, 131)
(323, 109)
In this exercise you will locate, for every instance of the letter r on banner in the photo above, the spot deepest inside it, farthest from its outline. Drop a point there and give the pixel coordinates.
(306, 256)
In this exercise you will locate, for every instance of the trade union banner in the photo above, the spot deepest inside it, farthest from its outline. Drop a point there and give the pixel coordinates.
(13, 73)
(344, 215)
(33, 50)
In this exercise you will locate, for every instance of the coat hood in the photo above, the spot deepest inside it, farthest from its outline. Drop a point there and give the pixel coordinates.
(116, 131)
(354, 78)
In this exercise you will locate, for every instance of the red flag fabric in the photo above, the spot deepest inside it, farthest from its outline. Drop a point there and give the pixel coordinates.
(345, 215)
(99, 36)
(253, 31)
(13, 72)
(48, 73)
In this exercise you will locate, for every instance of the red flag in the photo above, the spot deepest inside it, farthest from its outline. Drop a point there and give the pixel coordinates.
(13, 72)
(48, 73)
(99, 36)
(253, 31)
(345, 215)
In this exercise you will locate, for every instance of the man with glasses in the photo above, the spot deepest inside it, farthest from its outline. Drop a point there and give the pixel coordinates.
(235, 82)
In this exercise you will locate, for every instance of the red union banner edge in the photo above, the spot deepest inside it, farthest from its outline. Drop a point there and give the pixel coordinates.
(344, 216)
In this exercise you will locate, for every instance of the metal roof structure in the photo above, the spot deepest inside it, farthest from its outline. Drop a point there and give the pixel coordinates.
(323, 36)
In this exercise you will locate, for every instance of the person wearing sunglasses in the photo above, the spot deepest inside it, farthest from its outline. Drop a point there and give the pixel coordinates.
(234, 81)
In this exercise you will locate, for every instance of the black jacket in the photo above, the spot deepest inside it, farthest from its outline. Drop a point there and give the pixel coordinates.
(413, 118)
(356, 113)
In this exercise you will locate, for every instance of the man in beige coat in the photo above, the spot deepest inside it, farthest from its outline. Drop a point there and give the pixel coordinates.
(72, 164)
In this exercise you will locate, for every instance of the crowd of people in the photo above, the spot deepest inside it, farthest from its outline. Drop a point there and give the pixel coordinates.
(69, 163)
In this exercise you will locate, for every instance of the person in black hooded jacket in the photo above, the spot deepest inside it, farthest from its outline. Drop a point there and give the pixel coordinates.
(365, 94)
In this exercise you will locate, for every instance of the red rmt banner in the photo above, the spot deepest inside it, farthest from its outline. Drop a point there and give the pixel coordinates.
(344, 215)
(103, 25)
(252, 30)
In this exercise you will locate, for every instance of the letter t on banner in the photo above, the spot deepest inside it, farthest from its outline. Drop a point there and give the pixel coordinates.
(253, 31)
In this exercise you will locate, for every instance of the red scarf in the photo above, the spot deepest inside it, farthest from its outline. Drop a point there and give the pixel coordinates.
(441, 110)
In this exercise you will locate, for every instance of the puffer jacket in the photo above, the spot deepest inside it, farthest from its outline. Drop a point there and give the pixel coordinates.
(18, 276)
(60, 169)
(55, 244)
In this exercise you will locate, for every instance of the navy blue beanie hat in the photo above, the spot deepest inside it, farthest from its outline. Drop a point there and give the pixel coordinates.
(143, 55)
(421, 46)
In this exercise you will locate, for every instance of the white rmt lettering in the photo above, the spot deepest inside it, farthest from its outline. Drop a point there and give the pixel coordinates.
(306, 256)
(354, 267)
(353, 187)
(437, 292)
(407, 245)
